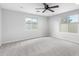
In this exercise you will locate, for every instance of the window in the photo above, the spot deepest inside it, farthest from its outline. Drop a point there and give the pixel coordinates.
(31, 23)
(69, 24)
(73, 19)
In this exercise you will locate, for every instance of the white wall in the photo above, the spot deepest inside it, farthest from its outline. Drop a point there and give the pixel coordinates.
(0, 27)
(54, 27)
(14, 27)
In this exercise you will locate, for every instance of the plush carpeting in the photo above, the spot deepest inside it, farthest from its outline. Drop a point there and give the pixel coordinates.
(45, 46)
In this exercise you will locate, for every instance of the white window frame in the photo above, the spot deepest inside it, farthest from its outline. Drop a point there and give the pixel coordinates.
(30, 23)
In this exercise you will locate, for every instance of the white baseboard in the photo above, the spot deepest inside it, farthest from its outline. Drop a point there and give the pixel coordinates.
(21, 40)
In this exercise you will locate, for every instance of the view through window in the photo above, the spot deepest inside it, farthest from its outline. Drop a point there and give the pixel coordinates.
(31, 23)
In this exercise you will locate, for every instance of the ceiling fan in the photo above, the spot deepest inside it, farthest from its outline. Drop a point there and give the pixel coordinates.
(47, 7)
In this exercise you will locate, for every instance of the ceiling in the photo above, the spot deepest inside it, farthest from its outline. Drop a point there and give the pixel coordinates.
(30, 8)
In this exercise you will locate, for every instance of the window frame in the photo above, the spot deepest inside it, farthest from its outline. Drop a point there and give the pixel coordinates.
(30, 26)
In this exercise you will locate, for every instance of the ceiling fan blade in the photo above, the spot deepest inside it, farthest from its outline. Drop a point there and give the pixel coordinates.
(39, 8)
(44, 4)
(50, 10)
(43, 11)
(54, 6)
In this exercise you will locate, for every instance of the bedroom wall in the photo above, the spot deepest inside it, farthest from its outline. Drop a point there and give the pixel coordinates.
(0, 26)
(54, 27)
(14, 27)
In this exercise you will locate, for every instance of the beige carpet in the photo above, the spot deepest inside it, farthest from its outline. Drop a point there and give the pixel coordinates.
(45, 46)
